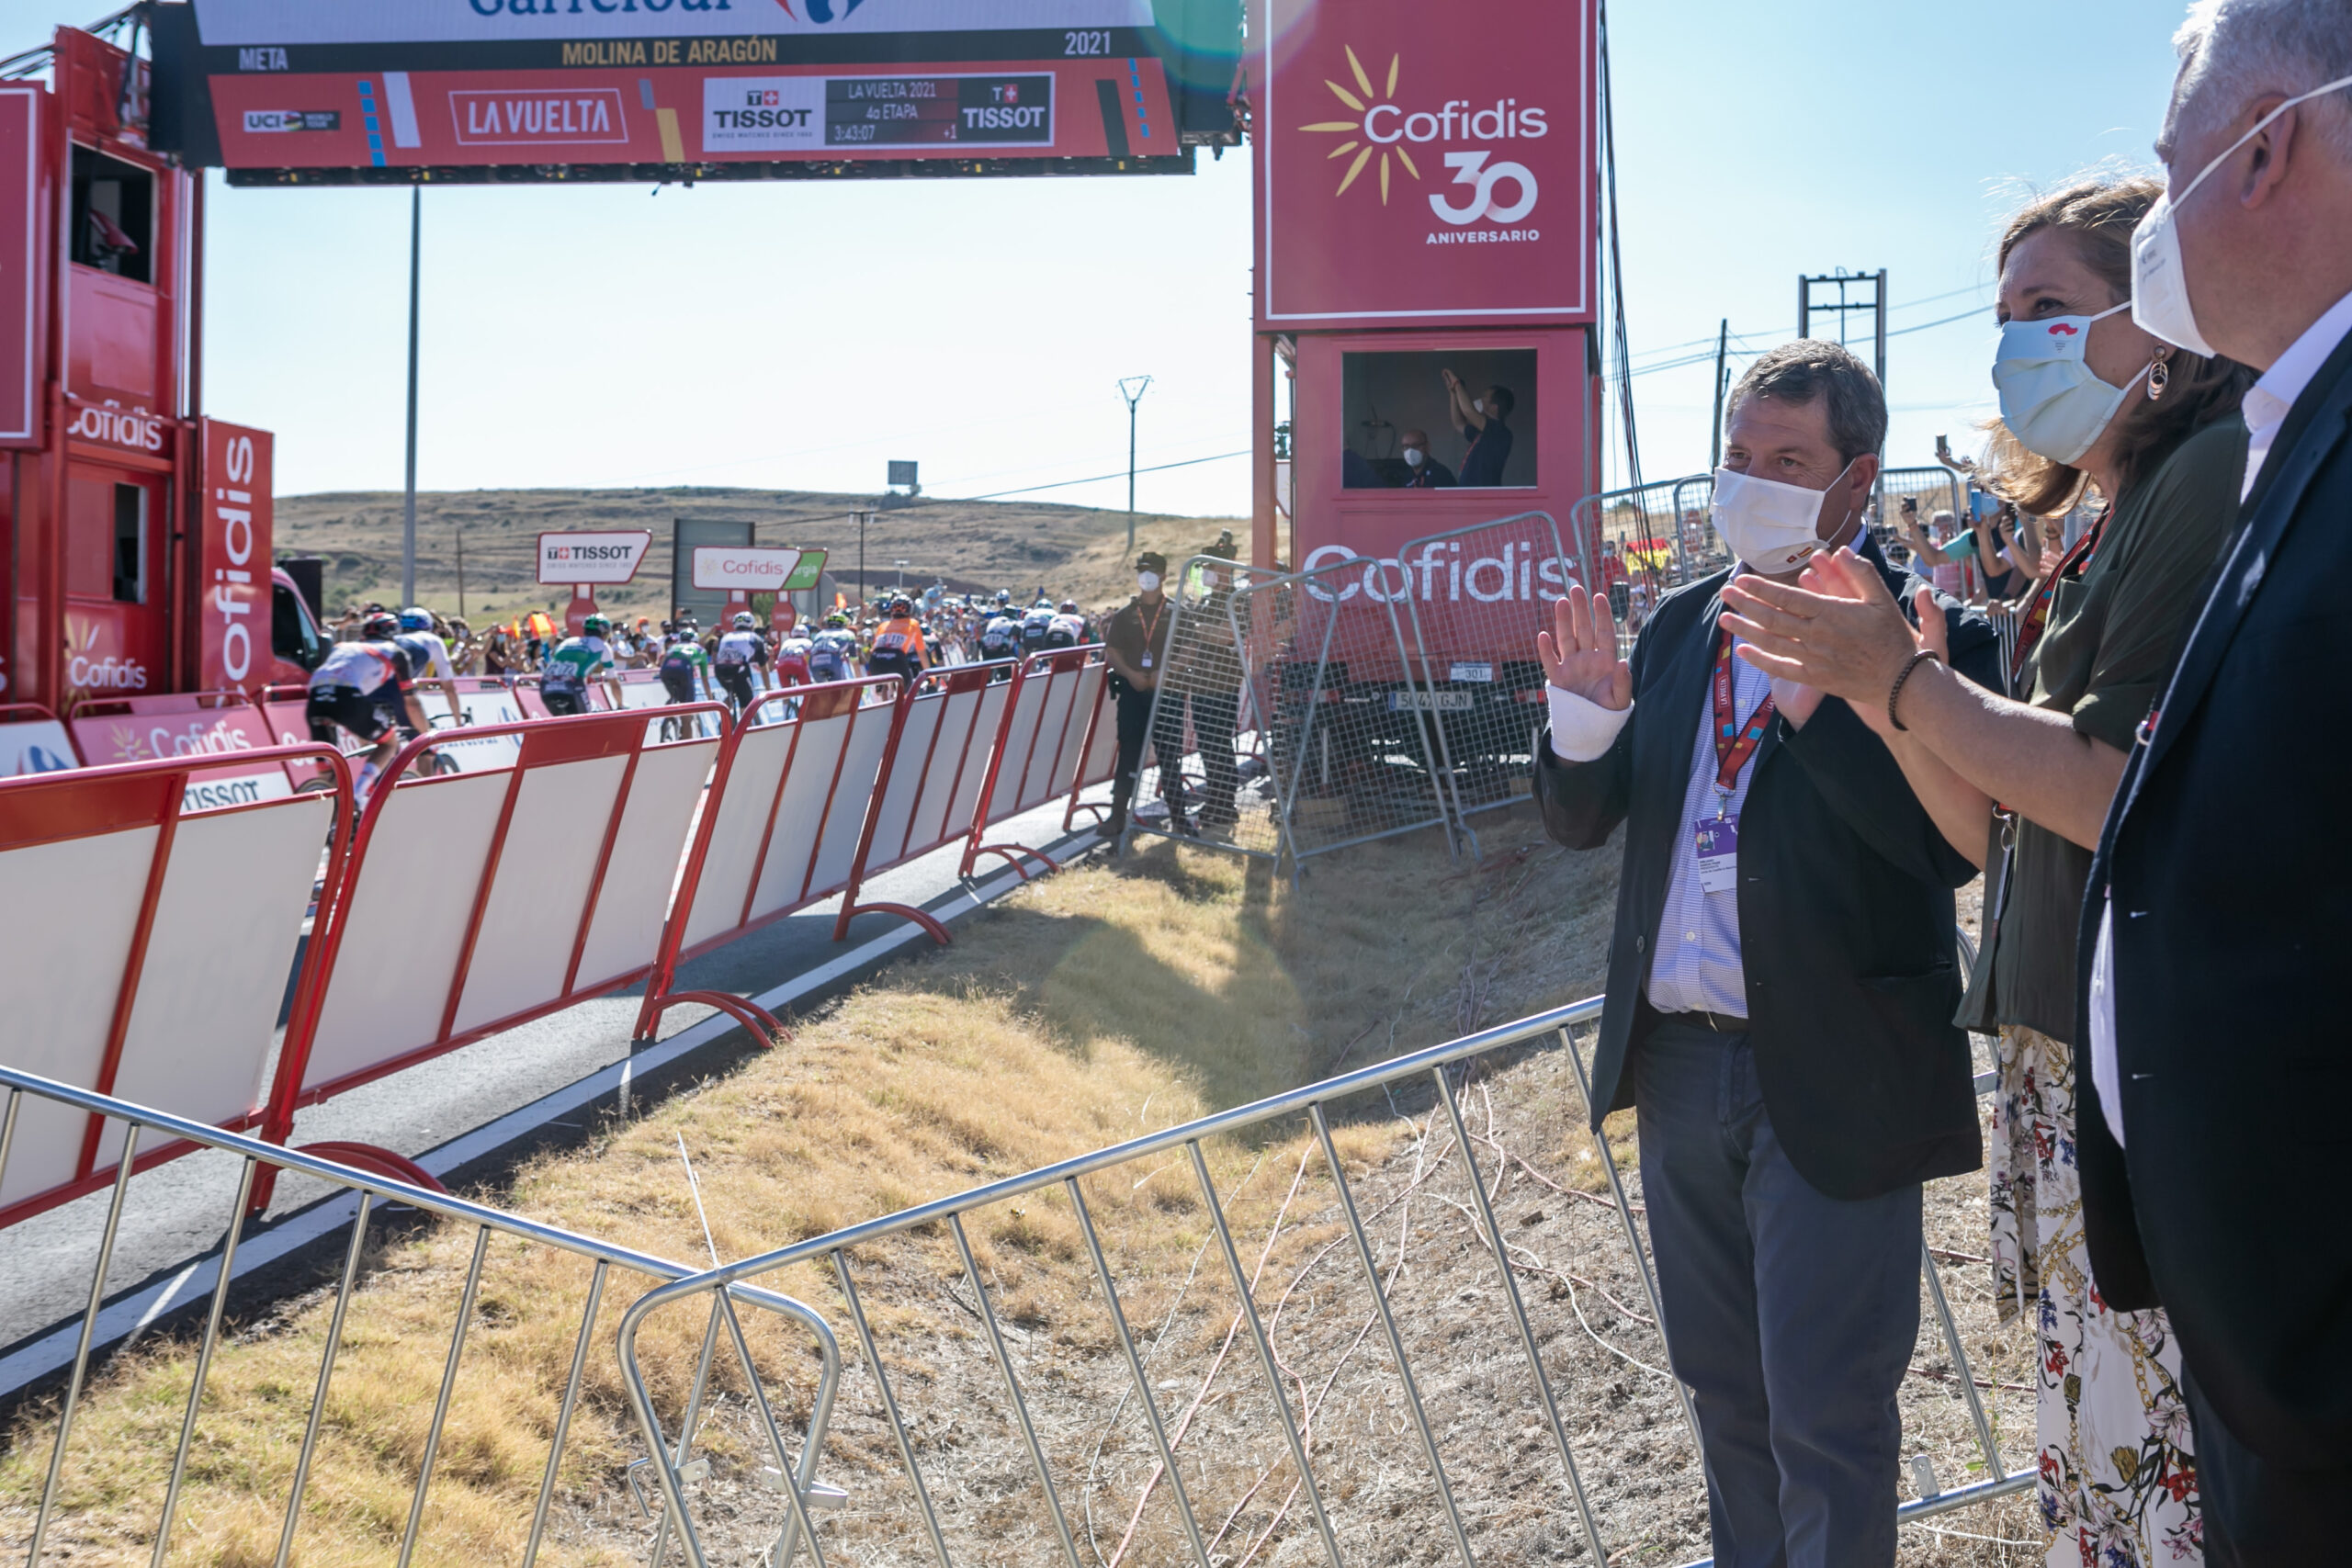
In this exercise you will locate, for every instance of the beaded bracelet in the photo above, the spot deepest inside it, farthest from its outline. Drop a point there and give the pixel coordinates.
(1896, 691)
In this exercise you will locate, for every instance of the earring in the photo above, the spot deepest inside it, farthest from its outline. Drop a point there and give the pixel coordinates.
(2159, 378)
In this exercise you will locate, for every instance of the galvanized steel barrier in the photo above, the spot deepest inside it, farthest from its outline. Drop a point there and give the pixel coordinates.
(33, 1100)
(1476, 598)
(1189, 782)
(1318, 1105)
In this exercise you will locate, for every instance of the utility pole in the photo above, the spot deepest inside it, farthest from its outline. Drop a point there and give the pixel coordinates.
(902, 575)
(461, 573)
(861, 517)
(1141, 385)
(1715, 457)
(415, 262)
(1843, 280)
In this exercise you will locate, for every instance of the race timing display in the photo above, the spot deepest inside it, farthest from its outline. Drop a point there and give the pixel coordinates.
(289, 92)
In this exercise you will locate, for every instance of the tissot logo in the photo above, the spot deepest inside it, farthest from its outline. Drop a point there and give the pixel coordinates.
(1388, 130)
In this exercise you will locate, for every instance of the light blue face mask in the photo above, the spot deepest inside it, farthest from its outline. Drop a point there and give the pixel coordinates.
(2049, 400)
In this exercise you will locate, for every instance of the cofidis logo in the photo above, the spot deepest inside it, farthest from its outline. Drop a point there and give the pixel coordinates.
(1387, 130)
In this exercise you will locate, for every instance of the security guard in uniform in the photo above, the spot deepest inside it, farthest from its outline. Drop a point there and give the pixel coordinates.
(1135, 645)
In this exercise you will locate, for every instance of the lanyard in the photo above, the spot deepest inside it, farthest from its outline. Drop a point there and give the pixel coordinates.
(1152, 628)
(2037, 614)
(1735, 743)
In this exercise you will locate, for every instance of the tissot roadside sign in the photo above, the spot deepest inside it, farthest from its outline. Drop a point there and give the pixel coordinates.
(1411, 172)
(589, 559)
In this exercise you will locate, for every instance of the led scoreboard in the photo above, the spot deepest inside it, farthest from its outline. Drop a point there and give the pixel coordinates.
(297, 92)
(778, 114)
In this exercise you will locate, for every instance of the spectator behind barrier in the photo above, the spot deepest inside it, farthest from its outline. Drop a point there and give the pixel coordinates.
(2098, 641)
(1136, 646)
(1780, 986)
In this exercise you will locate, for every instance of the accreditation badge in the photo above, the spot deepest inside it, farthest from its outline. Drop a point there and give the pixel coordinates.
(1718, 847)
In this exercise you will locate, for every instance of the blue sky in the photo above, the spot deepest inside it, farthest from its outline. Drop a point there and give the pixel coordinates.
(799, 336)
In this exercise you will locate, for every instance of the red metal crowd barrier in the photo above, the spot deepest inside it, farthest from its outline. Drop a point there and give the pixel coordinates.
(939, 755)
(185, 723)
(780, 831)
(1040, 745)
(145, 944)
(1098, 755)
(558, 869)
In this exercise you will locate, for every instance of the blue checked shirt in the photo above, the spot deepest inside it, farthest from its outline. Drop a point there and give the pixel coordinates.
(1695, 964)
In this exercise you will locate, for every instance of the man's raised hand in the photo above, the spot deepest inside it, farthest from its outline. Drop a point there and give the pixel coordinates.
(1579, 652)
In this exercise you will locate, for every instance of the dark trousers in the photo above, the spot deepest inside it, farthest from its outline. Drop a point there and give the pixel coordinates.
(2257, 1514)
(1791, 1314)
(1168, 742)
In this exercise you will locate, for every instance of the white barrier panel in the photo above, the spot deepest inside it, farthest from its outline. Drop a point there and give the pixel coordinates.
(477, 901)
(1039, 745)
(1098, 750)
(144, 950)
(780, 829)
(939, 763)
(482, 702)
(34, 741)
(189, 724)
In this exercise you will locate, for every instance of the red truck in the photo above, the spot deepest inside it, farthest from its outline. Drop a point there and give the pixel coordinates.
(135, 532)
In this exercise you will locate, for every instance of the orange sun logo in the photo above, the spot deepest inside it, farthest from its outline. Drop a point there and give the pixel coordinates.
(1365, 104)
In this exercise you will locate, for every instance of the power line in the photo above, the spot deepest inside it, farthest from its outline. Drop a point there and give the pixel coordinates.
(1098, 478)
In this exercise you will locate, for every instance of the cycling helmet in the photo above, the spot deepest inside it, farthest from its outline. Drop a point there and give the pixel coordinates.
(416, 620)
(1004, 595)
(379, 625)
(902, 605)
(744, 621)
(836, 618)
(1070, 607)
(595, 625)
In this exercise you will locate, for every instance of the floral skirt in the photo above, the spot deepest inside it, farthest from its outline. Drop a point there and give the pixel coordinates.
(2119, 1477)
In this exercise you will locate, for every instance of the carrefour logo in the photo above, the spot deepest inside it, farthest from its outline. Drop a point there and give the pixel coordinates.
(1386, 129)
(822, 10)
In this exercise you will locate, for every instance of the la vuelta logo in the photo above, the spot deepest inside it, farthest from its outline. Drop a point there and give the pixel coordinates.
(1500, 192)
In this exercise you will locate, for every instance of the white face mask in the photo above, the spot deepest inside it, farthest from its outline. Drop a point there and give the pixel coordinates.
(1414, 456)
(1479, 404)
(2159, 286)
(2049, 400)
(1147, 581)
(1771, 526)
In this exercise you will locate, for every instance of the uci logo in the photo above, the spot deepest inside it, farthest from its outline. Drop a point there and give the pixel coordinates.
(1473, 170)
(822, 11)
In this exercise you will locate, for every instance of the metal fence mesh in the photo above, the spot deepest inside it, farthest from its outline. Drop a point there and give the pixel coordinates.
(1205, 771)
(1304, 680)
(1478, 596)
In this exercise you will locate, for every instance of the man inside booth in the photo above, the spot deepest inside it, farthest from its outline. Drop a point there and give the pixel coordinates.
(1421, 470)
(1481, 418)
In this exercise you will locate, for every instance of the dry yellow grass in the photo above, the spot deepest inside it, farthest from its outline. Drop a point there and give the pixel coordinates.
(1093, 1006)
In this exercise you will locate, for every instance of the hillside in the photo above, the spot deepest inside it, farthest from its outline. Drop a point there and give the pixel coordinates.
(974, 545)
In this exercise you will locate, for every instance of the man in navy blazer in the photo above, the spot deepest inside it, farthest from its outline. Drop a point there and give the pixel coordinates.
(1781, 987)
(2216, 1120)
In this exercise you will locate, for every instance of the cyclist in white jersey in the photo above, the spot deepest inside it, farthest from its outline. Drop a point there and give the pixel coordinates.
(740, 652)
(363, 686)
